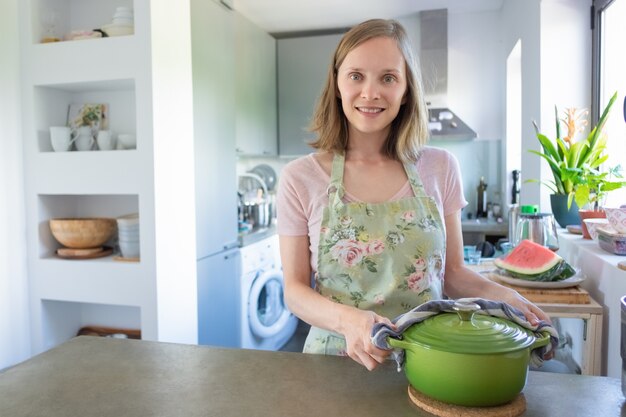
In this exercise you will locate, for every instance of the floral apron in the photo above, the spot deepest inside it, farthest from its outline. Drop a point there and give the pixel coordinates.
(386, 257)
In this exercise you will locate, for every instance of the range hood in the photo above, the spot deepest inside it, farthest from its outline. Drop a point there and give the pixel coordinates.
(443, 123)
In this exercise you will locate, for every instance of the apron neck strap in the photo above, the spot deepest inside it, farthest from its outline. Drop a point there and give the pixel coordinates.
(336, 177)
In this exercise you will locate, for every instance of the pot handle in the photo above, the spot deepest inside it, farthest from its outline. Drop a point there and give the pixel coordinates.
(397, 343)
(541, 341)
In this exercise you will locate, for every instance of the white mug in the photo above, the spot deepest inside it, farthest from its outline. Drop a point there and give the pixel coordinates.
(106, 140)
(84, 139)
(61, 138)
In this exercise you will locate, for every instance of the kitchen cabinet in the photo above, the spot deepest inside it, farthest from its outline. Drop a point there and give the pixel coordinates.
(132, 75)
(302, 66)
(255, 75)
(212, 39)
(219, 311)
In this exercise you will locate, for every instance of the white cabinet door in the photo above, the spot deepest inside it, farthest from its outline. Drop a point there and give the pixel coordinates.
(255, 74)
(219, 299)
(214, 126)
(302, 66)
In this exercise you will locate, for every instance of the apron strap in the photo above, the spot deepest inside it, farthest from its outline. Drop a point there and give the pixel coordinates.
(335, 189)
(414, 179)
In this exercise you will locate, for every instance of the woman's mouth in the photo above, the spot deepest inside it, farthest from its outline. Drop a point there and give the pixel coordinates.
(370, 110)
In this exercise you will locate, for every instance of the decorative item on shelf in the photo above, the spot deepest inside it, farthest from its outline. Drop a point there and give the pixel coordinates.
(81, 34)
(49, 22)
(85, 120)
(82, 238)
(575, 165)
(116, 333)
(122, 24)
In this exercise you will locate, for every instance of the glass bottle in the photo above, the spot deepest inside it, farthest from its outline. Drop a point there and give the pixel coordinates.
(481, 207)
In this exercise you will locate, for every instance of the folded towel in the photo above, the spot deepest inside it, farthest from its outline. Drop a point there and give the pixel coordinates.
(381, 331)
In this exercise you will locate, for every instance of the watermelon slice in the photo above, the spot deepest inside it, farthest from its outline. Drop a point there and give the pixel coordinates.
(535, 262)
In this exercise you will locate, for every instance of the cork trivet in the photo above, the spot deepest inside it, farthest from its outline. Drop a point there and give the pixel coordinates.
(622, 265)
(513, 409)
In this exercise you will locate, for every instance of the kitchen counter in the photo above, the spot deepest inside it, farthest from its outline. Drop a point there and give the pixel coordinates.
(606, 283)
(251, 237)
(91, 376)
(489, 227)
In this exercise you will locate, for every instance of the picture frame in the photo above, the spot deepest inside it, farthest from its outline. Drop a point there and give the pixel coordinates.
(95, 115)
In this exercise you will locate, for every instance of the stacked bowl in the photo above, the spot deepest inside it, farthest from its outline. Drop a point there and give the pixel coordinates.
(128, 234)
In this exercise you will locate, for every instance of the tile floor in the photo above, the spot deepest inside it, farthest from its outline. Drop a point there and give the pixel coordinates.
(296, 343)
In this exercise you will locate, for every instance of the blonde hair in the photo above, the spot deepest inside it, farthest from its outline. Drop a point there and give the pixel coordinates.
(409, 130)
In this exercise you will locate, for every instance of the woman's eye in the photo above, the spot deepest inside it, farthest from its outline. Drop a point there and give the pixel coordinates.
(389, 78)
(355, 77)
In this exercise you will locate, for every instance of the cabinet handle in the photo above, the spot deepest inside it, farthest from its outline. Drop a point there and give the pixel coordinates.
(231, 245)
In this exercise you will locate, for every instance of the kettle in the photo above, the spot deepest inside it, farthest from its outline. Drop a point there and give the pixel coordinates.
(537, 227)
(256, 203)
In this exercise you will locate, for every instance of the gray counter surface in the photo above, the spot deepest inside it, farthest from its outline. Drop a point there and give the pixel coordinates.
(91, 376)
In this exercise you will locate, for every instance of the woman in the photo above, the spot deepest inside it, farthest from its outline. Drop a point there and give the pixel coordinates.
(374, 214)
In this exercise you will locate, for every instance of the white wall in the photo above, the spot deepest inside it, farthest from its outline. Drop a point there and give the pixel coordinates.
(556, 70)
(14, 323)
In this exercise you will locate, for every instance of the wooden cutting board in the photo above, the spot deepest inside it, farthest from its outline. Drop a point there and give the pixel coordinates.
(572, 295)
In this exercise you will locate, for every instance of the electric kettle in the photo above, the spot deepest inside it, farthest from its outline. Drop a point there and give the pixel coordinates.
(537, 227)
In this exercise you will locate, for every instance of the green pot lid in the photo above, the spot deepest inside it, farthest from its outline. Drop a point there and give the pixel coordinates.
(466, 332)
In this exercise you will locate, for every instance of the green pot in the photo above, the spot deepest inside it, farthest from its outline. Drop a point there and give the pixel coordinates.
(467, 359)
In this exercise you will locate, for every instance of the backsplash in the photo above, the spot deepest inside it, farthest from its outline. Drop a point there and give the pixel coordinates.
(477, 158)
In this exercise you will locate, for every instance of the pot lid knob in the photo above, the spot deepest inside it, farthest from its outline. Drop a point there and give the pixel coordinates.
(465, 309)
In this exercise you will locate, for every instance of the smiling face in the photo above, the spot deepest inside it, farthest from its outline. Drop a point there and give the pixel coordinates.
(372, 82)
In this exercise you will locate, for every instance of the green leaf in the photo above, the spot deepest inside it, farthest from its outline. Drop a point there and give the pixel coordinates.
(582, 195)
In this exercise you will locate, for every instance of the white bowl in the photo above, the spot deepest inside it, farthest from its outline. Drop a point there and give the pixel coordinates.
(592, 226)
(123, 21)
(118, 30)
(128, 141)
(129, 250)
(617, 218)
(128, 220)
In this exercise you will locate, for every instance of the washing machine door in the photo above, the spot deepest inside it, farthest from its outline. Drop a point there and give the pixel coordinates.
(267, 312)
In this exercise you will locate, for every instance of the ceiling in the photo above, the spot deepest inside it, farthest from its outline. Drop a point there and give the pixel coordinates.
(283, 16)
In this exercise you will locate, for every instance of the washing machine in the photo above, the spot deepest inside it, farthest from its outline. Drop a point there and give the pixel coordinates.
(267, 324)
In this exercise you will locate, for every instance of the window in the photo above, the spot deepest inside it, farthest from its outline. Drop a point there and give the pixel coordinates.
(609, 75)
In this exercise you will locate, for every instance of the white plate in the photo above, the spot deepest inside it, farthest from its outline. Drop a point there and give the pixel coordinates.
(566, 283)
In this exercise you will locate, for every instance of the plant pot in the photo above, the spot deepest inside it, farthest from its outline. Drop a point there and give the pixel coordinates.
(468, 359)
(590, 214)
(564, 216)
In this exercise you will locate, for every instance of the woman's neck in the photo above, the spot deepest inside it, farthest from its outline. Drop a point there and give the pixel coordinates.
(366, 146)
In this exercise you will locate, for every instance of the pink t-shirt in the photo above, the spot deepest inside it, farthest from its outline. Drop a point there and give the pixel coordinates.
(303, 183)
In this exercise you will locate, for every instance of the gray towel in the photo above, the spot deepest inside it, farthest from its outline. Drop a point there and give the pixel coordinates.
(381, 331)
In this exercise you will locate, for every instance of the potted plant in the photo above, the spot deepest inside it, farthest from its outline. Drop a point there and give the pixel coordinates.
(578, 180)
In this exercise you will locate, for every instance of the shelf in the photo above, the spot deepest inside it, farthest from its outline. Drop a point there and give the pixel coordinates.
(102, 280)
(84, 61)
(96, 172)
(68, 206)
(51, 106)
(57, 18)
(62, 320)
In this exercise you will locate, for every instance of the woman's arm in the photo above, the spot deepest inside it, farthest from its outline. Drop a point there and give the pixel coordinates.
(463, 282)
(354, 324)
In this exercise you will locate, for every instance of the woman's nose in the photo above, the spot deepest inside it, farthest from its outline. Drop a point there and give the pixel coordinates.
(370, 90)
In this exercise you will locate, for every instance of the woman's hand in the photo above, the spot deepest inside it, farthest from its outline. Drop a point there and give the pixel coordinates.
(356, 327)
